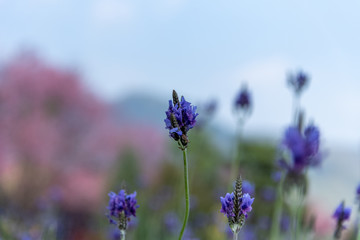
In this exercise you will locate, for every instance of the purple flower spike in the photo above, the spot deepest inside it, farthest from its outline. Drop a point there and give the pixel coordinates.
(180, 118)
(243, 100)
(298, 81)
(304, 149)
(236, 206)
(121, 207)
(341, 214)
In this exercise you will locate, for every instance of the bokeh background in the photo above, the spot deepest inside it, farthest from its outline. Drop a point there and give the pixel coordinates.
(83, 90)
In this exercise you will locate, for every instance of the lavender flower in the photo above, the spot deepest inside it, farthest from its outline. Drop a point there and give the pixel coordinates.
(236, 207)
(358, 192)
(304, 149)
(298, 81)
(121, 207)
(227, 205)
(243, 100)
(341, 214)
(180, 118)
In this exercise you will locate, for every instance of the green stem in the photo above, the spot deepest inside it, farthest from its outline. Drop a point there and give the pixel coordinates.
(187, 195)
(235, 236)
(122, 234)
(235, 161)
(358, 224)
(275, 227)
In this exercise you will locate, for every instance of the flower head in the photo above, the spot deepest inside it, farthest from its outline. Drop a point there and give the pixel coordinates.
(298, 81)
(121, 207)
(180, 118)
(303, 148)
(236, 206)
(243, 100)
(341, 214)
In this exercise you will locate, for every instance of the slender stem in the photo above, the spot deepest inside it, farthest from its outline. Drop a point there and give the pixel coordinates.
(235, 236)
(294, 224)
(187, 195)
(237, 144)
(358, 223)
(275, 227)
(122, 234)
(296, 107)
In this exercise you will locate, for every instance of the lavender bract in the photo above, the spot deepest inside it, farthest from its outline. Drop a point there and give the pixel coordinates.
(121, 207)
(180, 118)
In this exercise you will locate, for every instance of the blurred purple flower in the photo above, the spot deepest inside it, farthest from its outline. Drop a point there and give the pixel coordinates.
(114, 234)
(304, 149)
(276, 176)
(171, 221)
(341, 214)
(180, 118)
(248, 187)
(268, 193)
(298, 81)
(248, 234)
(243, 100)
(121, 204)
(285, 223)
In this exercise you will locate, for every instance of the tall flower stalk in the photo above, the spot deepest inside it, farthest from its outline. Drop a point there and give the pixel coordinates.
(235, 206)
(180, 118)
(243, 107)
(300, 151)
(341, 214)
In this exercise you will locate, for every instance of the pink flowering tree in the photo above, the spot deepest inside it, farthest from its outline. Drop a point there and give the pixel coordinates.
(52, 132)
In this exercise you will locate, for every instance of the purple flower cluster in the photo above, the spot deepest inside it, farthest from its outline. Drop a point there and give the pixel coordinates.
(228, 204)
(304, 149)
(180, 118)
(298, 81)
(121, 205)
(342, 213)
(243, 100)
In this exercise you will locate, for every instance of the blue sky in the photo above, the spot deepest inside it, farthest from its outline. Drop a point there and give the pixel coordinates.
(204, 49)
